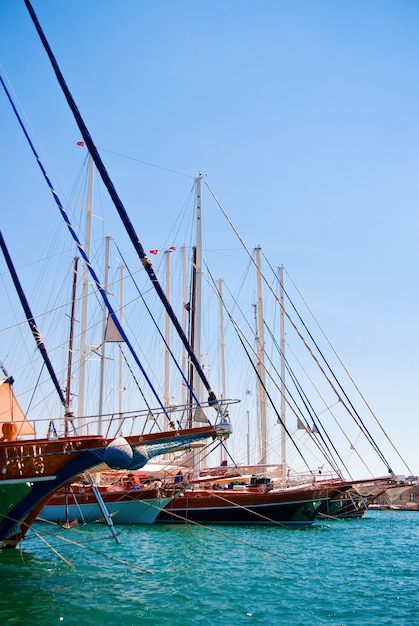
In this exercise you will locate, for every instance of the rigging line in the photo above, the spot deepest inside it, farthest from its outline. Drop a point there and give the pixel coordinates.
(38, 315)
(137, 384)
(34, 134)
(330, 517)
(272, 403)
(118, 204)
(223, 445)
(52, 548)
(369, 438)
(260, 381)
(35, 387)
(349, 374)
(308, 406)
(288, 397)
(213, 449)
(159, 167)
(159, 331)
(240, 334)
(82, 253)
(329, 410)
(236, 298)
(227, 535)
(107, 556)
(32, 323)
(354, 414)
(306, 402)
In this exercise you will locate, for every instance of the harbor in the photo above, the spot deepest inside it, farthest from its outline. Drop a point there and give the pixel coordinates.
(207, 333)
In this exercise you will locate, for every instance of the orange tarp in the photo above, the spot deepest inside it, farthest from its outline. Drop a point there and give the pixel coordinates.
(10, 411)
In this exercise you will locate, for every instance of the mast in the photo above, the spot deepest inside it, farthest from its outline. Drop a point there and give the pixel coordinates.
(70, 342)
(185, 313)
(222, 352)
(261, 360)
(283, 388)
(222, 342)
(197, 309)
(103, 345)
(121, 314)
(85, 296)
(167, 339)
(248, 436)
(191, 378)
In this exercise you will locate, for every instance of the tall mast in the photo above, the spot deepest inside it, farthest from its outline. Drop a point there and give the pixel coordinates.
(167, 339)
(197, 311)
(184, 321)
(261, 360)
(248, 436)
(283, 388)
(121, 316)
(222, 351)
(222, 342)
(103, 345)
(70, 342)
(85, 296)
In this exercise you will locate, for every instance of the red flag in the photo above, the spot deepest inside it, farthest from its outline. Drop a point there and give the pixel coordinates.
(172, 248)
(153, 251)
(80, 143)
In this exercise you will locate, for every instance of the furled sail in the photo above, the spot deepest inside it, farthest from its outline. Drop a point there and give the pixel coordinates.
(13, 421)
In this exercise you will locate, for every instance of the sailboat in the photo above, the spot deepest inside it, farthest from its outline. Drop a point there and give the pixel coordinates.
(230, 497)
(236, 493)
(311, 495)
(33, 469)
(129, 497)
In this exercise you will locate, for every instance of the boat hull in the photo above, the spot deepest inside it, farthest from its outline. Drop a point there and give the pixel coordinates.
(126, 507)
(256, 507)
(353, 502)
(31, 471)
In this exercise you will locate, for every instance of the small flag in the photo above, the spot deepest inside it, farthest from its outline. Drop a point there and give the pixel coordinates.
(80, 143)
(153, 251)
(172, 248)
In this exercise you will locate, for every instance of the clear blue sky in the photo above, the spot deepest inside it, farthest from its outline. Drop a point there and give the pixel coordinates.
(303, 116)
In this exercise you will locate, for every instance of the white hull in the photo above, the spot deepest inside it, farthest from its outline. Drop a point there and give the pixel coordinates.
(129, 512)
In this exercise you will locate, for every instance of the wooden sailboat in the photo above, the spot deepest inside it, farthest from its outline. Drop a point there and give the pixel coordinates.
(207, 500)
(129, 497)
(231, 497)
(130, 230)
(194, 359)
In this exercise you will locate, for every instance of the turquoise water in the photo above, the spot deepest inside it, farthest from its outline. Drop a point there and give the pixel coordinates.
(336, 572)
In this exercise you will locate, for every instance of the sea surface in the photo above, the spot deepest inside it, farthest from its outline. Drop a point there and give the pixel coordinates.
(362, 571)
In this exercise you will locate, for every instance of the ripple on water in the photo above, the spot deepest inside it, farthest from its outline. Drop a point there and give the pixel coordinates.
(354, 572)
